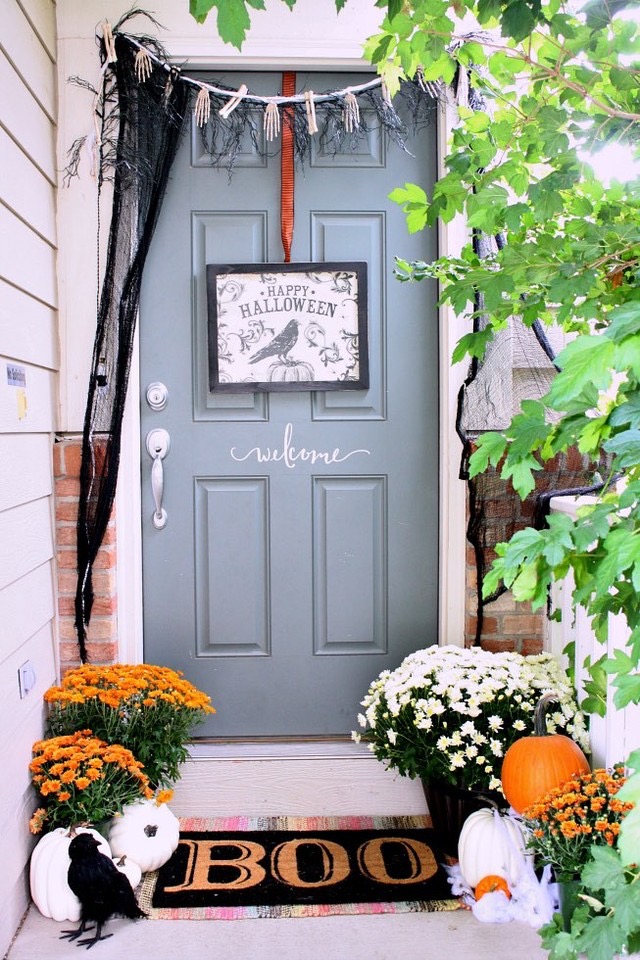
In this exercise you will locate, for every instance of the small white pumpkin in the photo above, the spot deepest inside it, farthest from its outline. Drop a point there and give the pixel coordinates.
(146, 832)
(131, 870)
(491, 843)
(48, 872)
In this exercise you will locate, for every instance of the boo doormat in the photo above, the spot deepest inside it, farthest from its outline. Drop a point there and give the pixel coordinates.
(230, 868)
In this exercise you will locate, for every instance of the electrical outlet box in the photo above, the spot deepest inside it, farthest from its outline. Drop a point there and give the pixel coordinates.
(26, 678)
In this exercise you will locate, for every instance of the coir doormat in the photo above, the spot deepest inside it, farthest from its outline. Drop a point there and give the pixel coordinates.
(230, 868)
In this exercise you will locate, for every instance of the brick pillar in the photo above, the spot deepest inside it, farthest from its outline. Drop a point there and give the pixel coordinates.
(102, 635)
(506, 624)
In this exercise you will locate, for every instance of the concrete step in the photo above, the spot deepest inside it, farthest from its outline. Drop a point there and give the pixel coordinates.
(327, 778)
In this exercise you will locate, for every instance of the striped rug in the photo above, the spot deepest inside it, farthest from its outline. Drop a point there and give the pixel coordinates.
(232, 868)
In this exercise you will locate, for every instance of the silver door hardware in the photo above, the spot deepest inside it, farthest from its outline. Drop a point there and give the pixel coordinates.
(157, 395)
(158, 445)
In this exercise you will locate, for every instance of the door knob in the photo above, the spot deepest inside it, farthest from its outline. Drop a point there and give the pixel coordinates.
(158, 444)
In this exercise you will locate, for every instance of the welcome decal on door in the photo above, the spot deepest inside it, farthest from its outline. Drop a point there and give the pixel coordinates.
(288, 326)
(289, 454)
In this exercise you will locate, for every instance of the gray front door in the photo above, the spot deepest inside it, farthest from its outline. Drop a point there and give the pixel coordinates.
(282, 585)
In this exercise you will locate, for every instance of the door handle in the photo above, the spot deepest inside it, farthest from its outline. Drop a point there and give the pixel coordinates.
(158, 444)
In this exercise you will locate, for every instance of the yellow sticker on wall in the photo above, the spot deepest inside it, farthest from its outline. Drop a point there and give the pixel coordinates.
(21, 394)
(17, 377)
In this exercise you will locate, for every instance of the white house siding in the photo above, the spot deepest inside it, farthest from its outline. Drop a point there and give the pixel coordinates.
(29, 353)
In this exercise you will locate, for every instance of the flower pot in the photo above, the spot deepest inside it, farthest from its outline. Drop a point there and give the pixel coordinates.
(449, 807)
(568, 899)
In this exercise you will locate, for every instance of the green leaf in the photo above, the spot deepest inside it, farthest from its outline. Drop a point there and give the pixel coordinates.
(604, 871)
(472, 344)
(233, 21)
(413, 200)
(521, 475)
(627, 690)
(584, 362)
(199, 9)
(490, 448)
(524, 545)
(517, 20)
(602, 938)
(626, 447)
(624, 321)
(525, 585)
(629, 838)
(624, 900)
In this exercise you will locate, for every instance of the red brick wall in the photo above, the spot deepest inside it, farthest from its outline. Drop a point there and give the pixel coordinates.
(506, 624)
(102, 635)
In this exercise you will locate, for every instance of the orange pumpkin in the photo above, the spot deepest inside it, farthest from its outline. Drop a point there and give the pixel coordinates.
(535, 764)
(490, 884)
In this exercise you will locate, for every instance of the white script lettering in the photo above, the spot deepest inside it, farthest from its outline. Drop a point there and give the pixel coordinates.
(289, 455)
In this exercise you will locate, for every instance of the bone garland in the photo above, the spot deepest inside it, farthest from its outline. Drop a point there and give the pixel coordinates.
(202, 108)
(311, 112)
(233, 102)
(255, 98)
(271, 121)
(142, 65)
(427, 86)
(174, 74)
(351, 113)
(462, 86)
(109, 45)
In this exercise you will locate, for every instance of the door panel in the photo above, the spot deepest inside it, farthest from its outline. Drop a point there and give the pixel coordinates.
(283, 584)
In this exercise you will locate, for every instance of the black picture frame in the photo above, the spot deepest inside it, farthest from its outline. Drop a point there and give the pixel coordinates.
(287, 326)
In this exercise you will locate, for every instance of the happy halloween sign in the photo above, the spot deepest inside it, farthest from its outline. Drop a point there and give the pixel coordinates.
(287, 326)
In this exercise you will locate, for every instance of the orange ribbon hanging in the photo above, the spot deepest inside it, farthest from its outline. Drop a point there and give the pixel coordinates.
(286, 167)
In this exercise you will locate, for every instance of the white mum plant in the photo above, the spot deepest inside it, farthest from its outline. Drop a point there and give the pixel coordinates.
(449, 714)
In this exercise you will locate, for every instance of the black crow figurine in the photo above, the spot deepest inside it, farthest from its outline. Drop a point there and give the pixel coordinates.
(280, 345)
(103, 891)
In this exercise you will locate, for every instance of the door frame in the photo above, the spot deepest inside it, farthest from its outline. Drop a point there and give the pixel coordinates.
(452, 490)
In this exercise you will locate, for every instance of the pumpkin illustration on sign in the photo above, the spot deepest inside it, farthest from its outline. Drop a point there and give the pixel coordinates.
(534, 765)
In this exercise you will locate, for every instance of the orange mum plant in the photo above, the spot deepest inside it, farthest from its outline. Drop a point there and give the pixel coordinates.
(82, 779)
(572, 818)
(148, 709)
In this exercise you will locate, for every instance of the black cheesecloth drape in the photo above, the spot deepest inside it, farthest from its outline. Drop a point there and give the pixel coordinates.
(147, 116)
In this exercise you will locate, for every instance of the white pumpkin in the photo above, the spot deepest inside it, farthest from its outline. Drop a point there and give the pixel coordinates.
(491, 844)
(48, 872)
(131, 870)
(146, 832)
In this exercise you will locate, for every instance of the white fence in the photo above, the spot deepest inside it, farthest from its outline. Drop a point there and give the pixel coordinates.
(615, 735)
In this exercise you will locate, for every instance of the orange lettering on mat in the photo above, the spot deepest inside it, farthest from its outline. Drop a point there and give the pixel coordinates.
(335, 863)
(245, 861)
(372, 863)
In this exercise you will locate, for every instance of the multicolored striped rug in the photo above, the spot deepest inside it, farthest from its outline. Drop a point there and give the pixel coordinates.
(231, 868)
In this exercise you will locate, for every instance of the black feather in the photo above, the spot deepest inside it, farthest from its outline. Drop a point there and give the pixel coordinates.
(103, 891)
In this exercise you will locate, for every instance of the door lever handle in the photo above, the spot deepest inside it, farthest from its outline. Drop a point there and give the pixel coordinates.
(158, 444)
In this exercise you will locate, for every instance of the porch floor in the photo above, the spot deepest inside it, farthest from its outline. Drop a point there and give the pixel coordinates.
(456, 936)
(326, 779)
